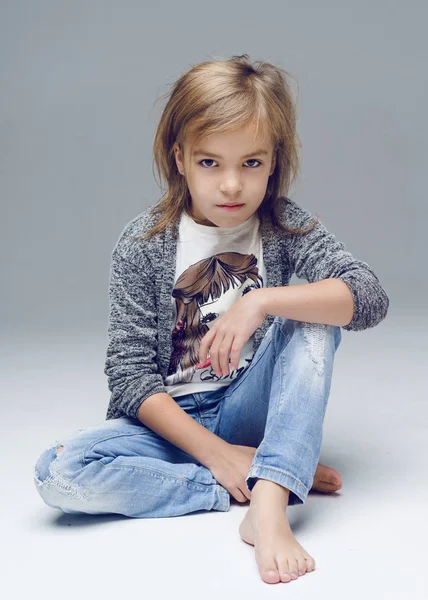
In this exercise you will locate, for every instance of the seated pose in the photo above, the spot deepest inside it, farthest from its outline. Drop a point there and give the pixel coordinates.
(219, 370)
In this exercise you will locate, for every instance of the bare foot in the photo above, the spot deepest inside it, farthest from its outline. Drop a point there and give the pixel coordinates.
(279, 556)
(326, 479)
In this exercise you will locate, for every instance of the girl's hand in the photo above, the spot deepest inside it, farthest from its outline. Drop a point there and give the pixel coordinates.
(230, 332)
(231, 470)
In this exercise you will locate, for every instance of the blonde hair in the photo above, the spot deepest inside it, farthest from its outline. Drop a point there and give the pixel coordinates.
(223, 95)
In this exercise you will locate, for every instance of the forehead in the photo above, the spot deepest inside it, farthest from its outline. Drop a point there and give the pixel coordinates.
(258, 132)
(242, 140)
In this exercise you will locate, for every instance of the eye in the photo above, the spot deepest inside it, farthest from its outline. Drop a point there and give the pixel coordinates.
(209, 317)
(205, 160)
(211, 160)
(254, 159)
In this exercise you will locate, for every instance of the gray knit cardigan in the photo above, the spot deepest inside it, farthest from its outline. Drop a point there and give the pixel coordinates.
(141, 283)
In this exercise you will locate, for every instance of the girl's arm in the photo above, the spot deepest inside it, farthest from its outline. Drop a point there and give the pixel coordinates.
(130, 364)
(318, 255)
(162, 414)
(328, 301)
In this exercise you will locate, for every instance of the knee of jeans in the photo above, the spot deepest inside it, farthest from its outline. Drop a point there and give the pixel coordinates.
(317, 337)
(50, 479)
(42, 466)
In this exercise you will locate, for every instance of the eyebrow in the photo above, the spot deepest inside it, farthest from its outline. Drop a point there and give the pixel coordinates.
(205, 153)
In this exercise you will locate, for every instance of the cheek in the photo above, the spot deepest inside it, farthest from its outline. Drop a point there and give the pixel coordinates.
(203, 179)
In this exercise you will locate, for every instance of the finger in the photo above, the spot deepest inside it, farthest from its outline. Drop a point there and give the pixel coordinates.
(239, 496)
(214, 353)
(235, 353)
(204, 345)
(245, 492)
(224, 353)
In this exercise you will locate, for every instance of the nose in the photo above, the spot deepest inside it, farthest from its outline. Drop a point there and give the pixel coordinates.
(231, 184)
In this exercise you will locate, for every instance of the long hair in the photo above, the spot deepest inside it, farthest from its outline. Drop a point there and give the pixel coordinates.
(224, 95)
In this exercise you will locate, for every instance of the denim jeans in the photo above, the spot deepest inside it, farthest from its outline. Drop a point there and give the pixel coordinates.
(276, 405)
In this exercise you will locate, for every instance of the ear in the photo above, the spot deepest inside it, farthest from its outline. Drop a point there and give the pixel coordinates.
(273, 164)
(178, 158)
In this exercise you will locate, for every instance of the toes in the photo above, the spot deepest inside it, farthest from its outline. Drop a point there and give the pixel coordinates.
(293, 568)
(270, 576)
(310, 563)
(326, 486)
(283, 569)
(301, 565)
(267, 568)
(328, 475)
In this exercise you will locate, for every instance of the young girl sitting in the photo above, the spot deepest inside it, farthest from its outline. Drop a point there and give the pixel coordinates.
(219, 371)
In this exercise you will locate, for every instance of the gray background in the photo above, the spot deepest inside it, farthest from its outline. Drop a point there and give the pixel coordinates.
(78, 85)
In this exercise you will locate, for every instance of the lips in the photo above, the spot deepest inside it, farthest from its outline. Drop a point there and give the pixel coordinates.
(235, 204)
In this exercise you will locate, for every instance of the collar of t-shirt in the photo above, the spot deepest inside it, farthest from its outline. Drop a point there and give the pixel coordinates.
(218, 231)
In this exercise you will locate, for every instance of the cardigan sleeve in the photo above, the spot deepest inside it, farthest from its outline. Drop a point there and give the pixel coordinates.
(317, 255)
(130, 364)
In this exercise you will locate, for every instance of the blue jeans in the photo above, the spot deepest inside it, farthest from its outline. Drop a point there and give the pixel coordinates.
(277, 406)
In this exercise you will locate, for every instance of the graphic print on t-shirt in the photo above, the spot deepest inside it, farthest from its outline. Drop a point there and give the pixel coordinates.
(203, 293)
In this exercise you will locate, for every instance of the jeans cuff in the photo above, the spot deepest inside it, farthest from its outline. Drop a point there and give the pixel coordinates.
(222, 502)
(298, 492)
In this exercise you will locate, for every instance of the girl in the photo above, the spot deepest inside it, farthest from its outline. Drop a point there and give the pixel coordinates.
(219, 371)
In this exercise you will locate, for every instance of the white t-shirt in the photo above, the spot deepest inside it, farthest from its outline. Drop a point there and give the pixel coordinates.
(214, 267)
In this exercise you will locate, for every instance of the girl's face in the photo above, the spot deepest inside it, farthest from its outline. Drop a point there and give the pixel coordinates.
(226, 167)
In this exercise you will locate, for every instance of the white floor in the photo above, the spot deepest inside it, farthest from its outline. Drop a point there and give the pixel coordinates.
(368, 540)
